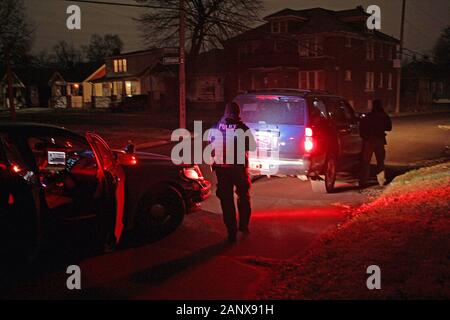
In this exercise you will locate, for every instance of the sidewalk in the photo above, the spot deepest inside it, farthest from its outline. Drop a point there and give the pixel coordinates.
(444, 109)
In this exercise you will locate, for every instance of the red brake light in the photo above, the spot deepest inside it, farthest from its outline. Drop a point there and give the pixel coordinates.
(16, 168)
(309, 143)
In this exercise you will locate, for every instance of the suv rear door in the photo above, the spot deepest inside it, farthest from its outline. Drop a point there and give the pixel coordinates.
(278, 122)
(349, 142)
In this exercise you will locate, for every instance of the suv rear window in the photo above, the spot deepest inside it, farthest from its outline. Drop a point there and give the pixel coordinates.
(272, 109)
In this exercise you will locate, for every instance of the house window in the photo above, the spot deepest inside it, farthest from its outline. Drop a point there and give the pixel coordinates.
(277, 46)
(369, 104)
(276, 27)
(348, 42)
(390, 81)
(312, 47)
(303, 48)
(348, 75)
(312, 80)
(279, 27)
(390, 53)
(370, 77)
(370, 51)
(120, 65)
(380, 83)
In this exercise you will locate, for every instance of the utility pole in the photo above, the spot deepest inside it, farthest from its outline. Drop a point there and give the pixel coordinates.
(182, 68)
(400, 57)
(9, 78)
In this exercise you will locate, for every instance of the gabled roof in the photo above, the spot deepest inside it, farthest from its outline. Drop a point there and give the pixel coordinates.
(317, 20)
(79, 72)
(17, 83)
(35, 76)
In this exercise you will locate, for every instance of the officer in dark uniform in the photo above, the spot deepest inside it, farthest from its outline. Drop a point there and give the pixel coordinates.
(373, 131)
(233, 177)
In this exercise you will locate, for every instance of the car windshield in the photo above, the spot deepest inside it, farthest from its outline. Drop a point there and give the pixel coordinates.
(270, 109)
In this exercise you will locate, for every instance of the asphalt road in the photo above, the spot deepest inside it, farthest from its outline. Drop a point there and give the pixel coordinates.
(196, 263)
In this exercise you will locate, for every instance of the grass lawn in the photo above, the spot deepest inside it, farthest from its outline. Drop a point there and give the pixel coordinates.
(406, 232)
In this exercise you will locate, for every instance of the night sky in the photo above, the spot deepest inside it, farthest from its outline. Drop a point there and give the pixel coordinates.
(425, 20)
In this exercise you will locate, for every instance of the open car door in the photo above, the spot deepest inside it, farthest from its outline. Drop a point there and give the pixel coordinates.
(112, 177)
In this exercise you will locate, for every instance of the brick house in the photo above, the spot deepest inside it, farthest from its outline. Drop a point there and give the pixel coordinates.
(315, 49)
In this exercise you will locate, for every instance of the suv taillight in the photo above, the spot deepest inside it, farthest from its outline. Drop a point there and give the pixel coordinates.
(309, 143)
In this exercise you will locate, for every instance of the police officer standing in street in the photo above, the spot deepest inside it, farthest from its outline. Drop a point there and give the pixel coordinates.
(232, 170)
(373, 131)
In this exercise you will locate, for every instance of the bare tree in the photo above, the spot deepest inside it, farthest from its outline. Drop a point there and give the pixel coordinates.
(209, 22)
(101, 47)
(16, 35)
(442, 50)
(65, 55)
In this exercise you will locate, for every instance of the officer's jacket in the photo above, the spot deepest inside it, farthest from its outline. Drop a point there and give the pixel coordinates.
(233, 134)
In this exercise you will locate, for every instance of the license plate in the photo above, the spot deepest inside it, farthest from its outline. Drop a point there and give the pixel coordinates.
(258, 165)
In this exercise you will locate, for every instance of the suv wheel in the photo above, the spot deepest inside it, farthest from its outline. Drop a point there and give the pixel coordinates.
(327, 182)
(330, 174)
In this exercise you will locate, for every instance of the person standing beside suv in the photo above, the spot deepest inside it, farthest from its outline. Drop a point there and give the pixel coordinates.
(233, 177)
(373, 132)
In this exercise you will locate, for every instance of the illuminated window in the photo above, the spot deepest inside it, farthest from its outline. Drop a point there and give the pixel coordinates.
(120, 65)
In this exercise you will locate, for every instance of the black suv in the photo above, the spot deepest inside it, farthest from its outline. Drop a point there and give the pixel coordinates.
(308, 134)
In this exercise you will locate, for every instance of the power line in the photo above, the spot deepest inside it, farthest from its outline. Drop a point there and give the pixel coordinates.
(121, 4)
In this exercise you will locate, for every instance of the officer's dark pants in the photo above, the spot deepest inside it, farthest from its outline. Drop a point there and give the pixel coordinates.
(370, 147)
(229, 178)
